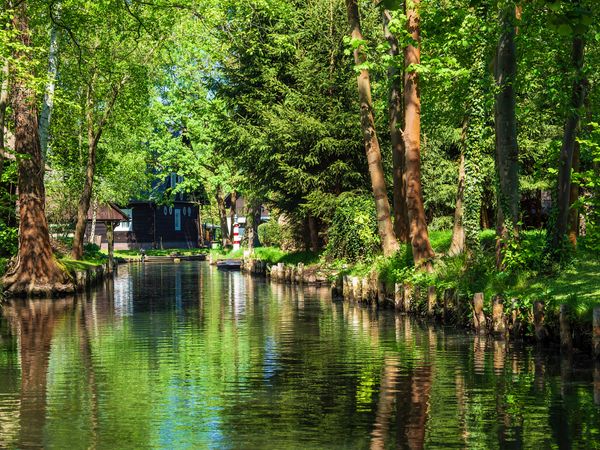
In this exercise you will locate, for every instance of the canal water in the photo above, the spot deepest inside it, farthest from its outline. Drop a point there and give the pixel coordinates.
(186, 356)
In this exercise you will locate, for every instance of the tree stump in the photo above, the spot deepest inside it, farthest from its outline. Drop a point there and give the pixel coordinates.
(478, 314)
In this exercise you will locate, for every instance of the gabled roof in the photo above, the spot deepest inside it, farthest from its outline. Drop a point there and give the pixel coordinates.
(108, 213)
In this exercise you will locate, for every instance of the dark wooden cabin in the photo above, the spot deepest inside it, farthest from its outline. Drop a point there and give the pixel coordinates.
(152, 226)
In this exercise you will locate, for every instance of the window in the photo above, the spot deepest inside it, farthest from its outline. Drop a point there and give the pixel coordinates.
(177, 219)
(173, 180)
(128, 224)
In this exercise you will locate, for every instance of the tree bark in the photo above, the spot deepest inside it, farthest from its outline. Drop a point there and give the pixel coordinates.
(419, 236)
(382, 205)
(573, 231)
(568, 144)
(48, 104)
(457, 245)
(35, 271)
(93, 225)
(507, 150)
(86, 195)
(3, 105)
(252, 222)
(395, 116)
(232, 211)
(313, 230)
(222, 216)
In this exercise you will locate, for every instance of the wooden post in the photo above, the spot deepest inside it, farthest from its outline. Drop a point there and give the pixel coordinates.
(596, 332)
(431, 301)
(478, 315)
(408, 293)
(398, 296)
(566, 340)
(538, 321)
(111, 243)
(498, 316)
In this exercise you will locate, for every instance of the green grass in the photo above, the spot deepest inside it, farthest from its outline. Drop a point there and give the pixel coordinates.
(272, 255)
(135, 254)
(73, 265)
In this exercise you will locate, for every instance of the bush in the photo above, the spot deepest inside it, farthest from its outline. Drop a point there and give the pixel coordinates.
(269, 234)
(353, 235)
(9, 241)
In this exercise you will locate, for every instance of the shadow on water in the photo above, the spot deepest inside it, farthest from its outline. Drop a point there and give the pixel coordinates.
(181, 355)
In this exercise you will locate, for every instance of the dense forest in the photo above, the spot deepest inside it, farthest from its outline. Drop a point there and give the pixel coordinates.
(368, 128)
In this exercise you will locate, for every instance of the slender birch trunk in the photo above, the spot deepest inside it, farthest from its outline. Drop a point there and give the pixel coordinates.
(48, 104)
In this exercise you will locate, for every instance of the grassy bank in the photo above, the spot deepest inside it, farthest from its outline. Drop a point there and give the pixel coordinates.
(271, 255)
(531, 276)
(136, 254)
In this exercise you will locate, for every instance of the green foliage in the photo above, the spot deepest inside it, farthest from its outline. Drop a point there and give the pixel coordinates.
(9, 241)
(353, 234)
(269, 233)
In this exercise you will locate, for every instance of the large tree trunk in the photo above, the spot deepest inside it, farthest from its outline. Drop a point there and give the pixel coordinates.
(573, 231)
(48, 104)
(419, 237)
(568, 144)
(458, 232)
(86, 194)
(382, 205)
(507, 150)
(35, 271)
(222, 216)
(395, 113)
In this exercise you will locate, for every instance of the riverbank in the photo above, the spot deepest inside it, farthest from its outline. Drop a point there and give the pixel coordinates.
(532, 299)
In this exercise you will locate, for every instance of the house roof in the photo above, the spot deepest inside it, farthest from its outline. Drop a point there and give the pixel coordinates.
(108, 213)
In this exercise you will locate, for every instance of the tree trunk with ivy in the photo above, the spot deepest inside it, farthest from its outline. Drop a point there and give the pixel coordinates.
(507, 150)
(35, 270)
(382, 205)
(573, 231)
(419, 236)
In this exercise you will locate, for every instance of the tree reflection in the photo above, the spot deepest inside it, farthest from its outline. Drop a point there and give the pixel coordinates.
(34, 322)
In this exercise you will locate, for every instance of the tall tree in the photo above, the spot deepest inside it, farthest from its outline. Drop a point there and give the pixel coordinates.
(384, 221)
(419, 236)
(395, 116)
(570, 134)
(35, 271)
(507, 150)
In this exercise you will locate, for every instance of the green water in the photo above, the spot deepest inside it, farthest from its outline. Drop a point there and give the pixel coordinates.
(185, 356)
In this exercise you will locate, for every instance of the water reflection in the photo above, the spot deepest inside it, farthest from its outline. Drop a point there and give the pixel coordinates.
(33, 323)
(181, 355)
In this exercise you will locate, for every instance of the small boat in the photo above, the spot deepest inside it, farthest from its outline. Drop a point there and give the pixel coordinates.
(229, 264)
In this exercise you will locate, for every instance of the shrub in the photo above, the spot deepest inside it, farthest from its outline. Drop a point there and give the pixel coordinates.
(9, 241)
(269, 234)
(353, 235)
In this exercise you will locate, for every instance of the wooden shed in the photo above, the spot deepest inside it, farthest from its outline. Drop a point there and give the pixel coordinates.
(110, 215)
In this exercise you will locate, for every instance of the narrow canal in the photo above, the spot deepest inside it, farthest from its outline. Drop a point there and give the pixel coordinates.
(185, 356)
